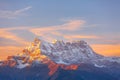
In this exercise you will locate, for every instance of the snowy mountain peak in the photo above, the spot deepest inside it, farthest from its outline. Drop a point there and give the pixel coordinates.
(68, 52)
(59, 52)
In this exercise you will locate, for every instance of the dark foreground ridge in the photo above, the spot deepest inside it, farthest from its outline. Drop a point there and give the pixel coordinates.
(40, 72)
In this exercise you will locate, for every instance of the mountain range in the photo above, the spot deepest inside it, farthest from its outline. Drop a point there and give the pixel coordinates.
(59, 60)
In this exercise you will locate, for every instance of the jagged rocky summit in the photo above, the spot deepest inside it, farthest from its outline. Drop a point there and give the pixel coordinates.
(59, 60)
(60, 52)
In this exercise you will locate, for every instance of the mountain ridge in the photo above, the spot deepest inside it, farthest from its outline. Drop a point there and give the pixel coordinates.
(67, 55)
(62, 52)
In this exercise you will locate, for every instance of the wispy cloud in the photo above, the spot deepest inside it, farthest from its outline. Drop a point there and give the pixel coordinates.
(52, 31)
(70, 25)
(48, 32)
(8, 14)
(22, 10)
(5, 33)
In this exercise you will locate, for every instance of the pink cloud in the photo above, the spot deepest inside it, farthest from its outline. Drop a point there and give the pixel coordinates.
(5, 33)
(50, 31)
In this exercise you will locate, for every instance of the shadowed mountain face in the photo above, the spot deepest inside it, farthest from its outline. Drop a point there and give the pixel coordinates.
(59, 61)
(40, 72)
(30, 73)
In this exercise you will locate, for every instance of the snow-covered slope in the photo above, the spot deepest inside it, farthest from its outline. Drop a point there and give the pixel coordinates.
(60, 52)
(69, 53)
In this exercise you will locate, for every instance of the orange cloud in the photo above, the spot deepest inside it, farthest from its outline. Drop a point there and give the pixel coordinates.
(107, 50)
(9, 50)
(72, 25)
(5, 33)
(50, 31)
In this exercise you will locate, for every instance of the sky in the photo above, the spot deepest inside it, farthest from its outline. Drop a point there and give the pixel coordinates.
(94, 21)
